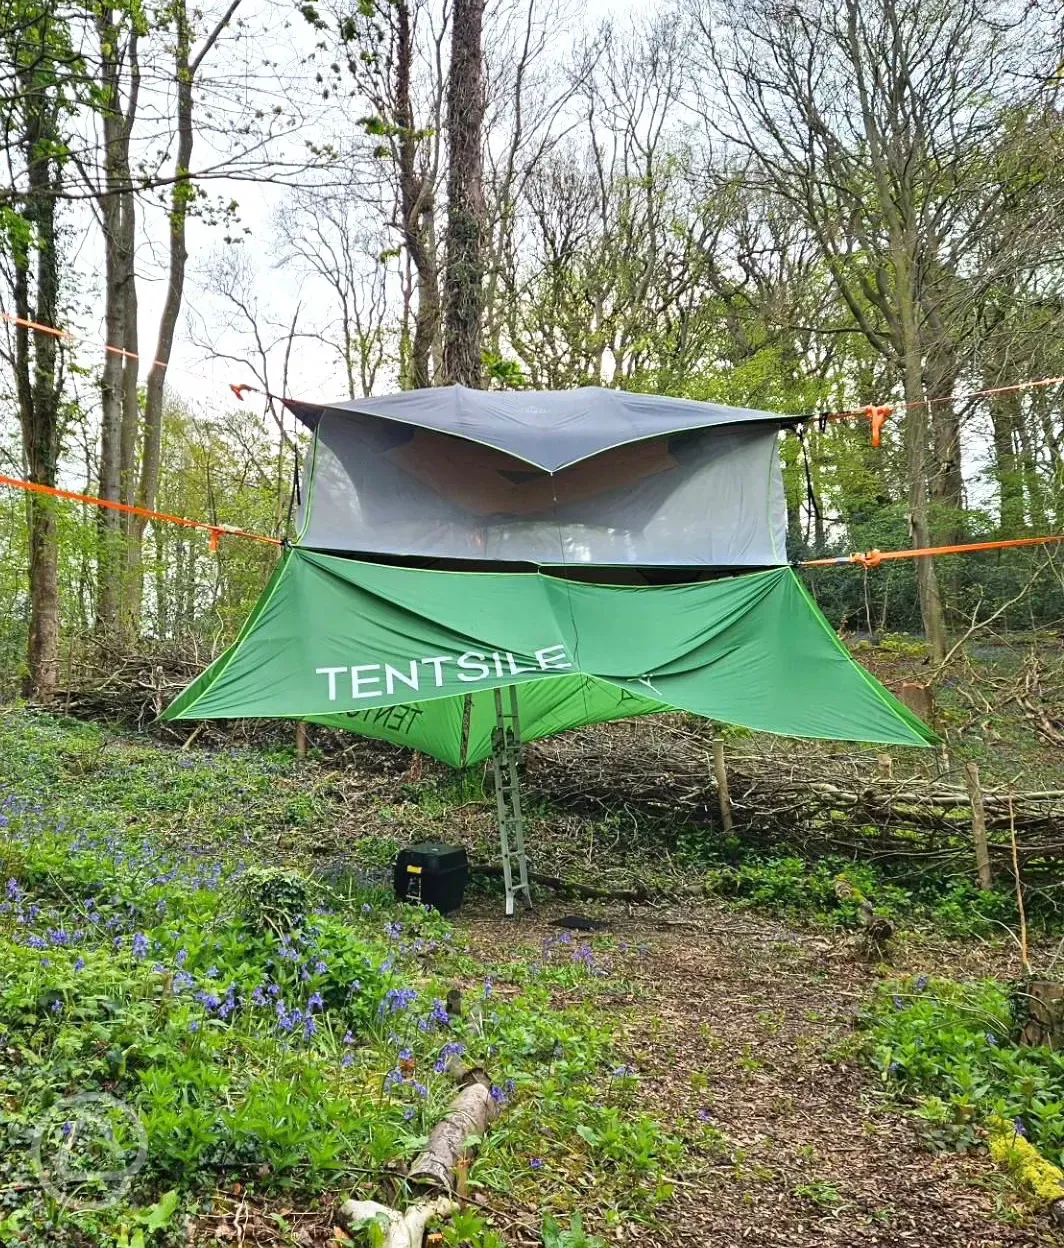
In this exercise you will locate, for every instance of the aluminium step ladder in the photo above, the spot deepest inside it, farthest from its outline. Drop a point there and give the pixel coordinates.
(505, 750)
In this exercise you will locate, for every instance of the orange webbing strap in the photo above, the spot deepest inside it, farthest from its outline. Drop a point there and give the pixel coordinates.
(69, 337)
(873, 558)
(215, 530)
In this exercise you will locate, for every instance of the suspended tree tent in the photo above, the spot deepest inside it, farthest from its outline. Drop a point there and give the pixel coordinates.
(588, 500)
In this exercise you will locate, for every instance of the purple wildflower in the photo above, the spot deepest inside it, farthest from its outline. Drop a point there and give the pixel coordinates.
(536, 1163)
(348, 1059)
(397, 999)
(141, 946)
(315, 1002)
(448, 1051)
(79, 965)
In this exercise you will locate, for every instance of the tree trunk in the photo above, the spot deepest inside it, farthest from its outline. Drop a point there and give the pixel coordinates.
(1003, 410)
(946, 480)
(36, 369)
(118, 383)
(916, 448)
(464, 284)
(1040, 1013)
(417, 204)
(181, 197)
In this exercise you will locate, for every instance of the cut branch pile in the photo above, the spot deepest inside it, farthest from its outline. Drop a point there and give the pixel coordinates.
(813, 796)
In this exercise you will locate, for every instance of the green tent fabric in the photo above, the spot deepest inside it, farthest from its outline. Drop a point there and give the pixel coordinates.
(414, 656)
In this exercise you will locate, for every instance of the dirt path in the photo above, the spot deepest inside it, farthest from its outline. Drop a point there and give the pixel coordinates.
(745, 1023)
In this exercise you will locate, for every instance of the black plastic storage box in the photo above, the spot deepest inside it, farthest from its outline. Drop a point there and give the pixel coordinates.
(434, 875)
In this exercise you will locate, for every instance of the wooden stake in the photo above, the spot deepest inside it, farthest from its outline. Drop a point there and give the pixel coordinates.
(301, 739)
(721, 772)
(1019, 893)
(982, 851)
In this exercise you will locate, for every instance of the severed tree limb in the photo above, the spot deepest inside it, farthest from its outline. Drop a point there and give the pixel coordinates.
(471, 1113)
(401, 1230)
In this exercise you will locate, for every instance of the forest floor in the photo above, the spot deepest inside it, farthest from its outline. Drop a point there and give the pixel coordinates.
(750, 1024)
(719, 1081)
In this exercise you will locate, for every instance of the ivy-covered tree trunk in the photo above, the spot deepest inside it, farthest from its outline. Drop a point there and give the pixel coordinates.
(464, 277)
(417, 201)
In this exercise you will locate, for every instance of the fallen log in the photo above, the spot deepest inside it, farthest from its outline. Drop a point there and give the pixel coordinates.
(592, 892)
(472, 1111)
(401, 1230)
(437, 1168)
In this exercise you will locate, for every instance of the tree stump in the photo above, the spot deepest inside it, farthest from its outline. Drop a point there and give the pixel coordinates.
(1039, 1013)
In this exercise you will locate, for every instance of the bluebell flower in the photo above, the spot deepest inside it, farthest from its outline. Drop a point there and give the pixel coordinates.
(141, 946)
(585, 955)
(79, 964)
(347, 1059)
(921, 983)
(183, 980)
(310, 1027)
(1020, 1127)
(536, 1163)
(36, 942)
(14, 892)
(623, 1072)
(182, 957)
(57, 1007)
(46, 961)
(397, 999)
(455, 1049)
(258, 997)
(367, 908)
(991, 1040)
(899, 1004)
(212, 972)
(408, 1113)
(393, 930)
(315, 1001)
(704, 1115)
(194, 1025)
(439, 1015)
(498, 1095)
(392, 1078)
